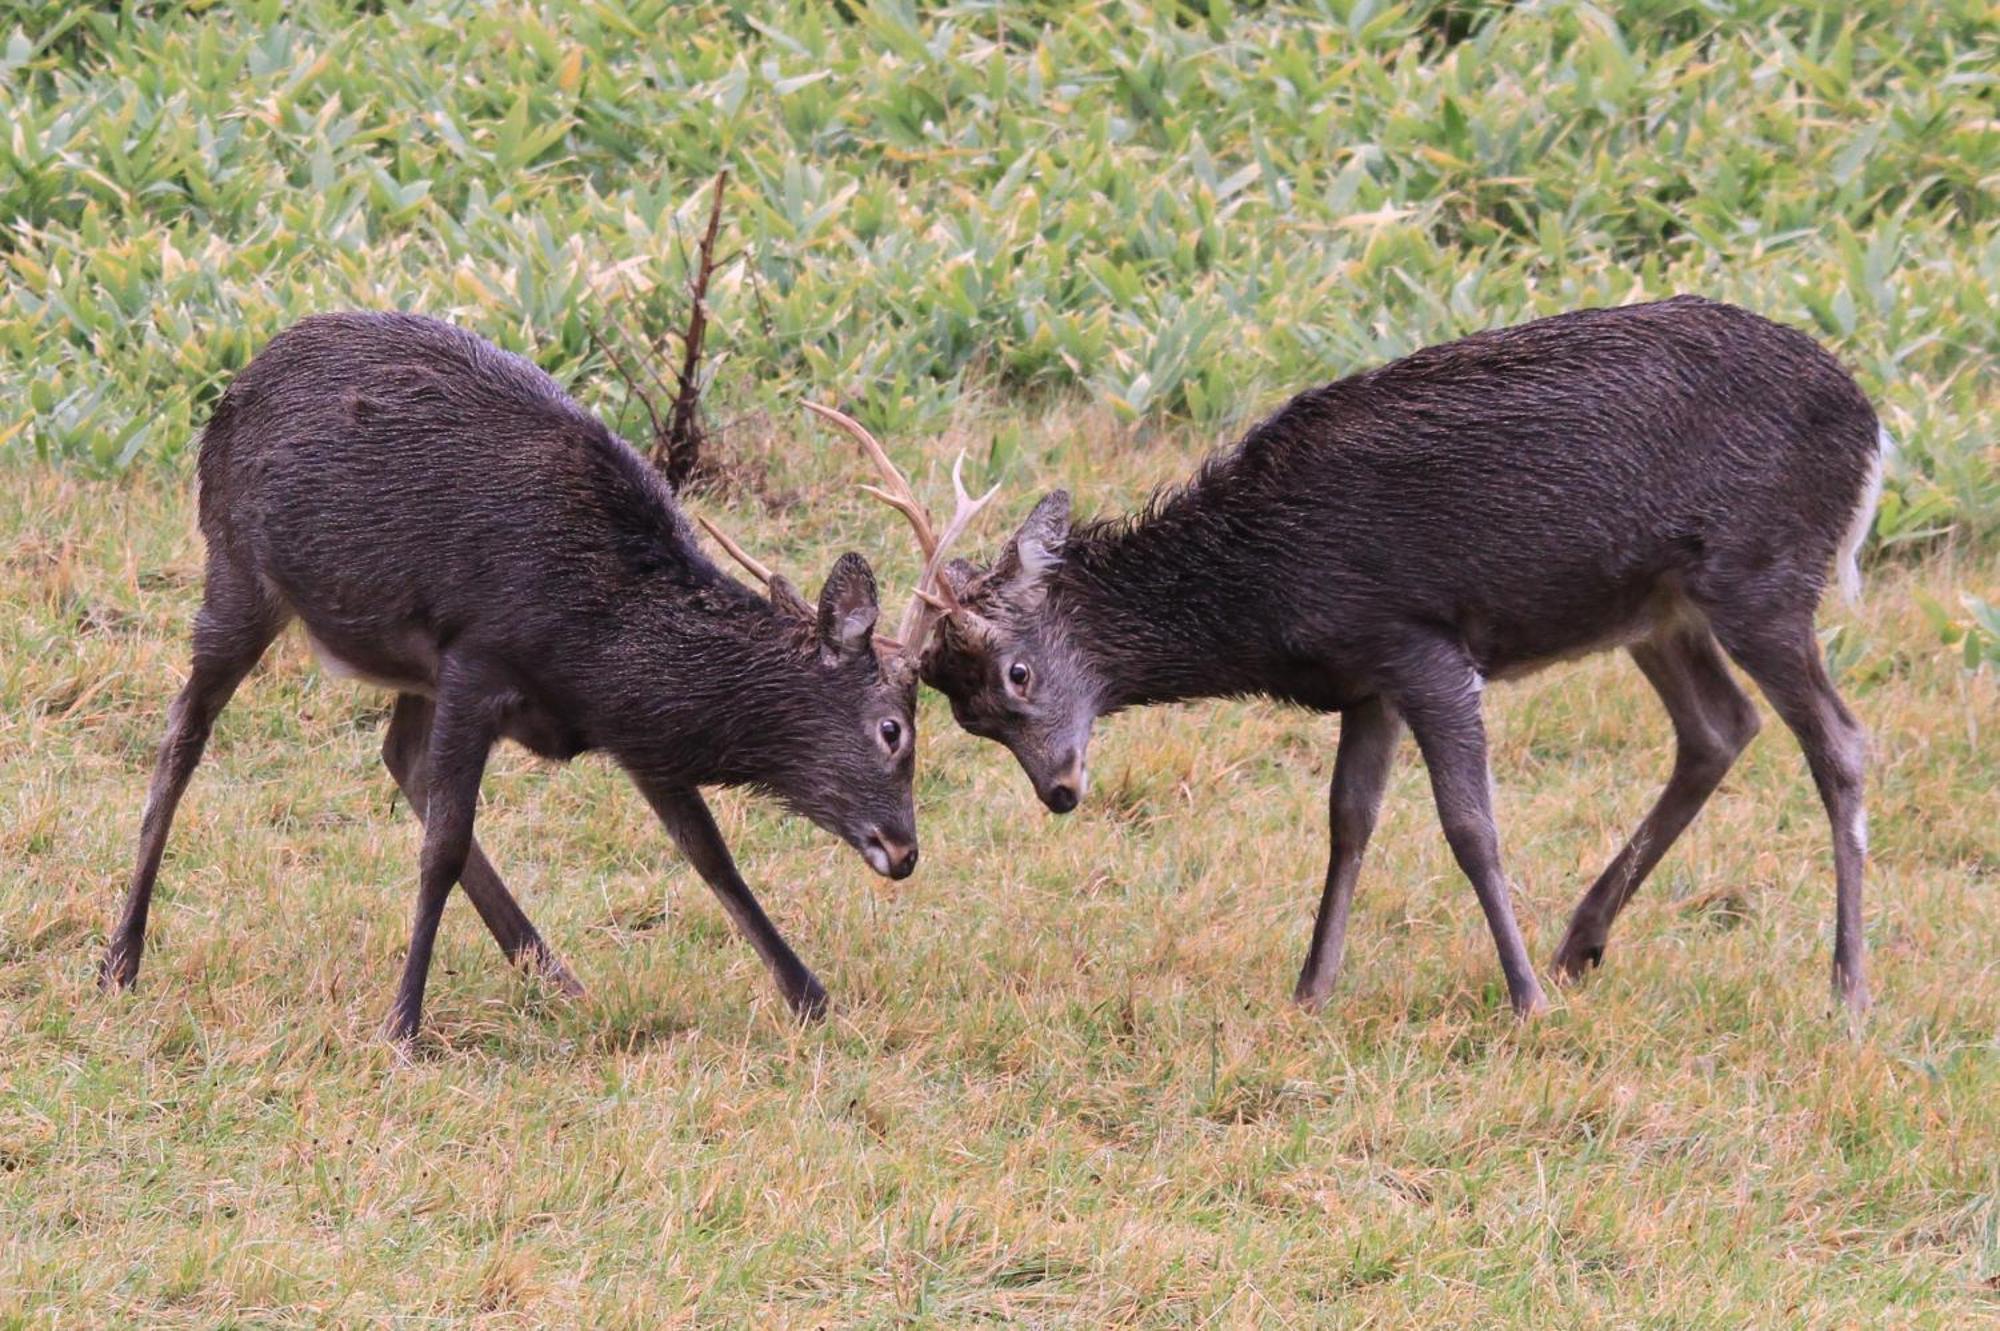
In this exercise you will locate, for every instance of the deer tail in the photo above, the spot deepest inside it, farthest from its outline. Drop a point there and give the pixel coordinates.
(1847, 565)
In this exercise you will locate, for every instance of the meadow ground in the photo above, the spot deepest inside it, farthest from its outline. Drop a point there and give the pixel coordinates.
(1063, 1083)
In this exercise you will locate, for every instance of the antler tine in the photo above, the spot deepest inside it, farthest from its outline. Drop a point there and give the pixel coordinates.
(898, 495)
(967, 509)
(918, 519)
(968, 506)
(926, 606)
(736, 552)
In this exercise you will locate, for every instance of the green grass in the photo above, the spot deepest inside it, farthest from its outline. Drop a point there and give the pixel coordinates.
(1063, 1084)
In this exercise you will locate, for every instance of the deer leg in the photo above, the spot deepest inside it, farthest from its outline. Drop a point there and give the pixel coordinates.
(463, 728)
(403, 754)
(1783, 656)
(237, 621)
(1713, 723)
(1441, 704)
(1368, 734)
(687, 819)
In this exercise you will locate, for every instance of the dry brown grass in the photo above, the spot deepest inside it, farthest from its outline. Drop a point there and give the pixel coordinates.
(1063, 1084)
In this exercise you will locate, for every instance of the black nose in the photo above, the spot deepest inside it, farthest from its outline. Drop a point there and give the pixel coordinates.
(1061, 797)
(904, 866)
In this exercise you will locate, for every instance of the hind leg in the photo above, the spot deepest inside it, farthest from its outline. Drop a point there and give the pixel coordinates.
(237, 621)
(463, 728)
(1782, 655)
(1713, 722)
(403, 751)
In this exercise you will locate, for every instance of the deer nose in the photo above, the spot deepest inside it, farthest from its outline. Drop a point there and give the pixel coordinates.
(1066, 791)
(889, 857)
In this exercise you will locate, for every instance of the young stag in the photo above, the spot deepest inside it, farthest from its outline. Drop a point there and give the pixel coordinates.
(1663, 478)
(448, 524)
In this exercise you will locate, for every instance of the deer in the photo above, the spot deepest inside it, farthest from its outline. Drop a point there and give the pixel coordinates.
(447, 523)
(1671, 478)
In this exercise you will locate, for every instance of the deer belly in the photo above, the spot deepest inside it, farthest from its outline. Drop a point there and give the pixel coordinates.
(395, 672)
(1662, 612)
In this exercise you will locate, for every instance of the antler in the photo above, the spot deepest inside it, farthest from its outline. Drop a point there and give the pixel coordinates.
(932, 599)
(736, 552)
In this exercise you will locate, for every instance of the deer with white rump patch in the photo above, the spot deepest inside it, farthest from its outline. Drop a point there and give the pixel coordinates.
(1671, 478)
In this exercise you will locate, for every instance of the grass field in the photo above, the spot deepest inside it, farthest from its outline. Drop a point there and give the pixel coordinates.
(1063, 1084)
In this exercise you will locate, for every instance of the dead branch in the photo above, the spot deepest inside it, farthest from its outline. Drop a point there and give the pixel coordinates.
(632, 385)
(677, 451)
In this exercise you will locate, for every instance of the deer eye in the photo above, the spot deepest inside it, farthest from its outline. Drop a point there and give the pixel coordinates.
(1018, 674)
(892, 733)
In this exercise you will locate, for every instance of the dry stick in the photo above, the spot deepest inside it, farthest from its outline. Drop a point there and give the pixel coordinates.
(631, 384)
(683, 439)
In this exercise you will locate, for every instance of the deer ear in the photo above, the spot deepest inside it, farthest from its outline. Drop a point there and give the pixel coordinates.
(847, 610)
(960, 577)
(785, 599)
(1037, 546)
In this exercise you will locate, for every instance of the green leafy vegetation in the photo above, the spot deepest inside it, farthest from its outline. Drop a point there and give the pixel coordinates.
(1178, 211)
(1976, 632)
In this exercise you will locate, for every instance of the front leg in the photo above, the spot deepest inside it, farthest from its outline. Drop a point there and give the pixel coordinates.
(1368, 734)
(687, 819)
(1440, 701)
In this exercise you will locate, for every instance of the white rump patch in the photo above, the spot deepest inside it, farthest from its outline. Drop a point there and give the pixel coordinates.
(1847, 564)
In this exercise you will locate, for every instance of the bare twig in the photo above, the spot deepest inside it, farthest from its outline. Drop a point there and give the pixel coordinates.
(631, 384)
(677, 452)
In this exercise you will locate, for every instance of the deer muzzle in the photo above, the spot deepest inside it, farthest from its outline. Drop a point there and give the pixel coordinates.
(1066, 789)
(888, 856)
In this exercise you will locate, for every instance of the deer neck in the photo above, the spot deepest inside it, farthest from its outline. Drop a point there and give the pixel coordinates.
(1163, 608)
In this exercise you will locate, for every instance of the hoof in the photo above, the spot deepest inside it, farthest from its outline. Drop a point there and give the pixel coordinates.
(1851, 998)
(1572, 959)
(1530, 1005)
(809, 1002)
(1311, 996)
(399, 1028)
(550, 967)
(118, 970)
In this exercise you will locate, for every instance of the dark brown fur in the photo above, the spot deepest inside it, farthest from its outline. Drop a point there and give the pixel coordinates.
(445, 521)
(1661, 477)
